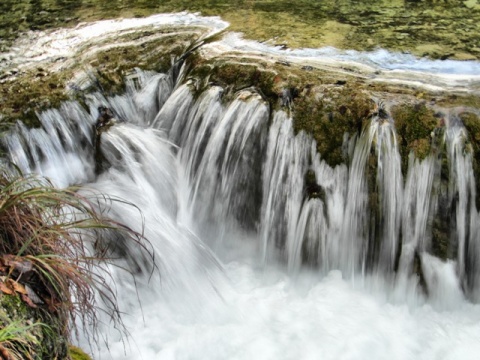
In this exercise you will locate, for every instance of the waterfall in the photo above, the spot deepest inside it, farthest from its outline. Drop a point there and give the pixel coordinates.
(225, 187)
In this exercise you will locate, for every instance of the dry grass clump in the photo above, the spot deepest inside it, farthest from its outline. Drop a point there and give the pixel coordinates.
(46, 251)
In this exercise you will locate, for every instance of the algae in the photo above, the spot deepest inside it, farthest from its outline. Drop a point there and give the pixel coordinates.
(76, 353)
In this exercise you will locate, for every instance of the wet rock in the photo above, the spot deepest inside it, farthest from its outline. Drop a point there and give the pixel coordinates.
(312, 190)
(287, 96)
(464, 56)
(282, 62)
(282, 46)
(105, 117)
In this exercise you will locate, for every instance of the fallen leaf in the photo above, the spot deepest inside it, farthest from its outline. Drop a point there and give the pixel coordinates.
(4, 353)
(19, 288)
(5, 289)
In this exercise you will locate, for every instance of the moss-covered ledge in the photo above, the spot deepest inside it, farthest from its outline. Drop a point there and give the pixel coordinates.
(328, 102)
(26, 91)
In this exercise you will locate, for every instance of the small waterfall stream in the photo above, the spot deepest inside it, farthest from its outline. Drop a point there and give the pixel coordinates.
(251, 265)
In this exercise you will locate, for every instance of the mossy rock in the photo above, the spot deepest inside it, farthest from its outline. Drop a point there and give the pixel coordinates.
(311, 188)
(414, 124)
(441, 244)
(49, 342)
(328, 113)
(30, 91)
(234, 75)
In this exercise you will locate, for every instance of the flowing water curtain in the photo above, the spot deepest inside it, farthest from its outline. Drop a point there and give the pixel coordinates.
(383, 243)
(253, 179)
(462, 192)
(285, 166)
(64, 141)
(229, 174)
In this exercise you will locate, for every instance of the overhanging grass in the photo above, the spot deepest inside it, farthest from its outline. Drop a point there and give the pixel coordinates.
(47, 238)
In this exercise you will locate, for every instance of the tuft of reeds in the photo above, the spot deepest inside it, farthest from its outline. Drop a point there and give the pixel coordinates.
(46, 237)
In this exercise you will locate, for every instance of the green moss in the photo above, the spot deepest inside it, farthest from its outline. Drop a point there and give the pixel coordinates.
(331, 113)
(77, 354)
(466, 100)
(29, 92)
(51, 345)
(414, 124)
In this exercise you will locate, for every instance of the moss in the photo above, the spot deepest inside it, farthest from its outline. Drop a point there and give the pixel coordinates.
(234, 75)
(414, 124)
(31, 91)
(465, 100)
(51, 345)
(330, 113)
(77, 354)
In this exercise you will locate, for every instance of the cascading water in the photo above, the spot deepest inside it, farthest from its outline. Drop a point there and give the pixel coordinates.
(222, 191)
